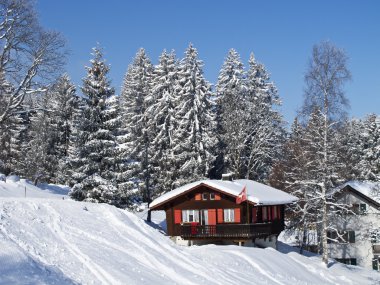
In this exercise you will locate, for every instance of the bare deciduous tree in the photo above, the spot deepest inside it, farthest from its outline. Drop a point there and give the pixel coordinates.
(29, 55)
(327, 73)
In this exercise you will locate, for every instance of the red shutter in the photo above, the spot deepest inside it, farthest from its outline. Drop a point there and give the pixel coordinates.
(198, 197)
(264, 213)
(177, 216)
(279, 212)
(273, 214)
(269, 213)
(211, 217)
(237, 215)
(217, 196)
(220, 216)
(254, 215)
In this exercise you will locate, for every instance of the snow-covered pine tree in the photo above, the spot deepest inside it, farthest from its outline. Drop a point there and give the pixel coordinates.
(230, 93)
(135, 99)
(370, 162)
(96, 142)
(51, 123)
(73, 172)
(115, 172)
(40, 160)
(11, 130)
(264, 131)
(163, 123)
(351, 149)
(64, 105)
(194, 139)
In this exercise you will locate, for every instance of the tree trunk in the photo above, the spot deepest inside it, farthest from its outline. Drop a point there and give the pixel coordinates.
(304, 236)
(325, 254)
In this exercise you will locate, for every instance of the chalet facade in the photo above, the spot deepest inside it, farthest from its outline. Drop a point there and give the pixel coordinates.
(206, 212)
(357, 241)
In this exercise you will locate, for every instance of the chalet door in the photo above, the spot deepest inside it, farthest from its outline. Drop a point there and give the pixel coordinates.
(203, 217)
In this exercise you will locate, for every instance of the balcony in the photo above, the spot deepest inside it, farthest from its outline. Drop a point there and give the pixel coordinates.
(230, 231)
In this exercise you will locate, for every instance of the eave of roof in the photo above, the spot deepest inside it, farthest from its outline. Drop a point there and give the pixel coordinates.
(358, 194)
(193, 188)
(258, 193)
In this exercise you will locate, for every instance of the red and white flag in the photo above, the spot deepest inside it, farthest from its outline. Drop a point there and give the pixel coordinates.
(242, 195)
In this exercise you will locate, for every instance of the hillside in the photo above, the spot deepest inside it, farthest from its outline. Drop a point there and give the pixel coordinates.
(56, 241)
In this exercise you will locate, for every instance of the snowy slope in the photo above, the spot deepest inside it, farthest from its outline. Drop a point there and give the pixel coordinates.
(14, 188)
(55, 241)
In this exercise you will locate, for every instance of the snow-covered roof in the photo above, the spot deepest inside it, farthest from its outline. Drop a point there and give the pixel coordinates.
(257, 193)
(367, 188)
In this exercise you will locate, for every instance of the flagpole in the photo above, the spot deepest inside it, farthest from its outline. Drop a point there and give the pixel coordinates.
(247, 210)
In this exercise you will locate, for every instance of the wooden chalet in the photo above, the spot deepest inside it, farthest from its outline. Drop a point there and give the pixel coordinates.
(206, 211)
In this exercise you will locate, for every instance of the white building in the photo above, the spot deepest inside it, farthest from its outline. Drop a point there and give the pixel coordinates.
(358, 239)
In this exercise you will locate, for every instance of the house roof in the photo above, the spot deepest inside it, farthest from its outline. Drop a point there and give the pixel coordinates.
(257, 193)
(366, 190)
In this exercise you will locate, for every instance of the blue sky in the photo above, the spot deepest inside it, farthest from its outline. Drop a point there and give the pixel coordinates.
(280, 33)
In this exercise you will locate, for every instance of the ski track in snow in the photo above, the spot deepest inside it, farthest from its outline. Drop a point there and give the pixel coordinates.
(96, 270)
(14, 253)
(175, 256)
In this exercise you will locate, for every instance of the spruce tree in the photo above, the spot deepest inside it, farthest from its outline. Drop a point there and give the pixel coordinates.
(135, 99)
(64, 106)
(195, 136)
(350, 151)
(263, 124)
(11, 131)
(163, 122)
(230, 93)
(40, 160)
(96, 141)
(370, 162)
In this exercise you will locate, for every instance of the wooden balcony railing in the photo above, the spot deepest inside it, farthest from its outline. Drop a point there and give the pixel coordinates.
(247, 231)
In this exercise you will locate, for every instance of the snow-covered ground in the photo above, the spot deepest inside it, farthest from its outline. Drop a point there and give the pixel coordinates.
(16, 187)
(56, 241)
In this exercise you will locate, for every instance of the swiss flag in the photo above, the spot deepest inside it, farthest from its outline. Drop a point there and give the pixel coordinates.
(242, 195)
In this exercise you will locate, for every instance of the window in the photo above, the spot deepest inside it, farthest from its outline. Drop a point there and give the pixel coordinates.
(359, 209)
(204, 196)
(375, 236)
(229, 215)
(375, 264)
(189, 216)
(349, 261)
(212, 196)
(341, 236)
